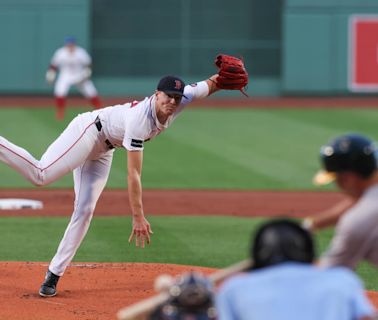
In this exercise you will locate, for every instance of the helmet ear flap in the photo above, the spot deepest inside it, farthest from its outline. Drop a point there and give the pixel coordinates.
(281, 241)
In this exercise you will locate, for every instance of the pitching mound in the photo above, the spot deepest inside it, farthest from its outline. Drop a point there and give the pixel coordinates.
(87, 291)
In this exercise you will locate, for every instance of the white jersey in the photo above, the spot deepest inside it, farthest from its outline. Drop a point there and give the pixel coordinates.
(131, 124)
(356, 234)
(71, 64)
(84, 148)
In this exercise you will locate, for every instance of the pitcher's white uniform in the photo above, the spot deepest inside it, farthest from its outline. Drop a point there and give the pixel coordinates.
(72, 65)
(86, 148)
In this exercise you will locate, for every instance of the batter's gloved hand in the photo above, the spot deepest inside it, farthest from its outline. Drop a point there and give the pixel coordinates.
(232, 74)
(50, 76)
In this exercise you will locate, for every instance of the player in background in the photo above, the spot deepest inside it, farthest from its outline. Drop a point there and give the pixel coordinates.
(87, 145)
(72, 64)
(285, 284)
(351, 161)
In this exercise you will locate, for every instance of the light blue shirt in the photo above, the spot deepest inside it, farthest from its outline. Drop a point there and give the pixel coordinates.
(293, 291)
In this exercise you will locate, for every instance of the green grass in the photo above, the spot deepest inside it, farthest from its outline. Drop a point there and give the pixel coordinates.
(205, 148)
(203, 241)
(209, 148)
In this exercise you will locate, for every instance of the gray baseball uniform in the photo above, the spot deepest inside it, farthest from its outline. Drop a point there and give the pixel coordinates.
(356, 234)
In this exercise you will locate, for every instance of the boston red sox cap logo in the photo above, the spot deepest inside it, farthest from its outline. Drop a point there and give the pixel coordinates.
(172, 85)
(178, 84)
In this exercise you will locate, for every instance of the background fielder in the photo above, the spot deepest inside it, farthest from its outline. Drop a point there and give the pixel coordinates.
(74, 66)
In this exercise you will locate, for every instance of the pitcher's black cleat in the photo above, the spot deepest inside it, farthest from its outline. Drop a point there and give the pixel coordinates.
(48, 287)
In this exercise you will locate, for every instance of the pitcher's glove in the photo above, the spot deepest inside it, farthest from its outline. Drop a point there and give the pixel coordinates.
(232, 74)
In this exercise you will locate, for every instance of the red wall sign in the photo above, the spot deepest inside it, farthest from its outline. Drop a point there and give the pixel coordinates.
(363, 53)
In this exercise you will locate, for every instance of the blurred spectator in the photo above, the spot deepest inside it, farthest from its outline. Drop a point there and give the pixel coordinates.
(74, 66)
(284, 284)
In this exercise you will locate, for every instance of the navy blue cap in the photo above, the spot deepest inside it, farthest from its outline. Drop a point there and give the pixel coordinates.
(172, 85)
(69, 40)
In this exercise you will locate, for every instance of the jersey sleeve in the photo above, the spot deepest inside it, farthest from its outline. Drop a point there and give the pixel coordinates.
(56, 60)
(224, 303)
(85, 57)
(133, 144)
(359, 301)
(136, 131)
(198, 90)
(345, 248)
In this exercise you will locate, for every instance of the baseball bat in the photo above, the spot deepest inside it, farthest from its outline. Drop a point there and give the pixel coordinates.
(140, 310)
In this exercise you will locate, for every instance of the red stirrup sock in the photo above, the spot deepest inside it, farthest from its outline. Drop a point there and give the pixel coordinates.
(60, 104)
(95, 101)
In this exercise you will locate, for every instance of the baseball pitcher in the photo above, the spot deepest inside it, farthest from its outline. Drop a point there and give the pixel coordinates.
(87, 145)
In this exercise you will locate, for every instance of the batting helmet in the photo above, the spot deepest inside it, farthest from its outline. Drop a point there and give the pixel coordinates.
(191, 298)
(281, 241)
(350, 152)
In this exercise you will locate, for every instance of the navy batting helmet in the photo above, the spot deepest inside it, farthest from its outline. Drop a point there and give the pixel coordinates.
(281, 241)
(191, 298)
(350, 152)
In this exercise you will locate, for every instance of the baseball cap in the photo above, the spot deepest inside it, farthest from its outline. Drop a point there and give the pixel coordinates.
(351, 152)
(172, 85)
(69, 40)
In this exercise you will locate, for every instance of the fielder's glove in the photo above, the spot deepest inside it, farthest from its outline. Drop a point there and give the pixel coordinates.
(232, 74)
(50, 76)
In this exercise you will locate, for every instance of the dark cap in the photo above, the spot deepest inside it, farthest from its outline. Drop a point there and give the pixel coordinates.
(350, 152)
(172, 85)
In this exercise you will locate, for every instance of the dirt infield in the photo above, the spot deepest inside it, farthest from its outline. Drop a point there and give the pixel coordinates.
(59, 202)
(97, 291)
(88, 291)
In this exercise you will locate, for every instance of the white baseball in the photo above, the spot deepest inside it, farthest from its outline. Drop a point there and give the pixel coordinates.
(163, 283)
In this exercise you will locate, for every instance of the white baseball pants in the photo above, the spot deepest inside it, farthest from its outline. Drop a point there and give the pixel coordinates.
(81, 149)
(63, 85)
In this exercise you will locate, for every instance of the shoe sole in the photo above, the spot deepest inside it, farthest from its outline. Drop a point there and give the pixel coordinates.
(47, 295)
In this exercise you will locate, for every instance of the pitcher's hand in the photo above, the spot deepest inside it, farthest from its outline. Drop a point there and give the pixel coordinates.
(141, 231)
